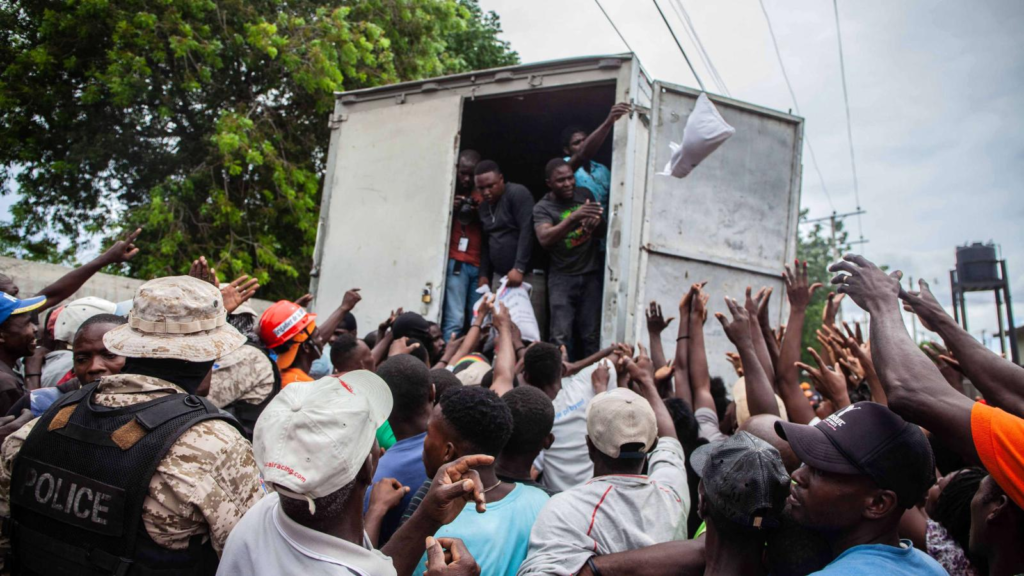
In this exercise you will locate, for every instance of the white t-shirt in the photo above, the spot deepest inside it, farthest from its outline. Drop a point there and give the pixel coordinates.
(567, 463)
(611, 514)
(267, 541)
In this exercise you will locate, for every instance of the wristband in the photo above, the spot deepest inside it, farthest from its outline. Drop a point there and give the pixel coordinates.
(687, 337)
(593, 568)
(33, 374)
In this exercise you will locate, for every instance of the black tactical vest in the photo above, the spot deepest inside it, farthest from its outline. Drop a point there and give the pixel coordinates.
(246, 413)
(79, 482)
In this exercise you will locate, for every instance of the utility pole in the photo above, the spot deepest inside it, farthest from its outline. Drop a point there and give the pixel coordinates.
(833, 220)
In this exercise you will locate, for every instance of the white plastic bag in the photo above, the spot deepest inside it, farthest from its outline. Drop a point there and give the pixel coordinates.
(519, 307)
(704, 132)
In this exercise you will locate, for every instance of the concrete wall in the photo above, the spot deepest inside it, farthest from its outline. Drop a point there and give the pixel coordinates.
(32, 277)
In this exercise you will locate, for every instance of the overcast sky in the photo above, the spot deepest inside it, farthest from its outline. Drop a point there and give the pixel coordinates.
(936, 96)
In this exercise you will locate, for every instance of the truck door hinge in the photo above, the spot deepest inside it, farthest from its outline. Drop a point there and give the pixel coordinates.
(535, 80)
(400, 98)
(336, 121)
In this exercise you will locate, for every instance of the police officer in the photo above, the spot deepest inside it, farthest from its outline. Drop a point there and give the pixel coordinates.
(135, 473)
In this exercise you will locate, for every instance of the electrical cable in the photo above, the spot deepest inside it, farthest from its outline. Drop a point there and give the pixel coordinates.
(796, 105)
(849, 124)
(614, 27)
(676, 38)
(680, 10)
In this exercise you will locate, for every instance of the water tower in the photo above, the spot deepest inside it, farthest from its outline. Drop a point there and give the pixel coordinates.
(979, 269)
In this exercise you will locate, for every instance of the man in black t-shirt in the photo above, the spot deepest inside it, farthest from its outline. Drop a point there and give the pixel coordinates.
(569, 223)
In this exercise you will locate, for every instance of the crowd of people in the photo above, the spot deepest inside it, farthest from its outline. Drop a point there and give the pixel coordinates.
(182, 432)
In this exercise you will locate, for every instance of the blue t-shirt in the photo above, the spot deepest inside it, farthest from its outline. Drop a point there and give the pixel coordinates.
(883, 559)
(404, 462)
(598, 181)
(499, 538)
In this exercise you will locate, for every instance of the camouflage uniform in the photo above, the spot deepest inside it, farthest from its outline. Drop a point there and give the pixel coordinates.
(245, 374)
(203, 485)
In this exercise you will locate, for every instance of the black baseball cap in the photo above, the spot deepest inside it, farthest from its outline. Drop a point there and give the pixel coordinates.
(869, 439)
(744, 479)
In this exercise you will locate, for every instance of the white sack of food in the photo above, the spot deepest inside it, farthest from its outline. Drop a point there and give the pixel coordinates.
(704, 132)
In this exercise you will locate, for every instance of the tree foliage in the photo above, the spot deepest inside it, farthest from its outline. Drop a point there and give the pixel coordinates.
(818, 249)
(203, 121)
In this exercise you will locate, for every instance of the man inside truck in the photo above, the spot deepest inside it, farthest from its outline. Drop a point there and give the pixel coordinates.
(569, 223)
(579, 147)
(463, 272)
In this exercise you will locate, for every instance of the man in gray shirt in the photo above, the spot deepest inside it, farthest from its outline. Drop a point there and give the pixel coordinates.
(618, 509)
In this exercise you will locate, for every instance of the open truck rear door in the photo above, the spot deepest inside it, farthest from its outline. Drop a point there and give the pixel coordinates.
(384, 224)
(732, 221)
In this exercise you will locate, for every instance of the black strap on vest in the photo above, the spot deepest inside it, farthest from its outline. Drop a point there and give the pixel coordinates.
(79, 484)
(246, 413)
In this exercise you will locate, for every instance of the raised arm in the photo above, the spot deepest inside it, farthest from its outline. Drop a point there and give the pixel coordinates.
(913, 385)
(122, 251)
(787, 374)
(504, 352)
(681, 365)
(767, 333)
(1001, 381)
(571, 368)
(700, 378)
(757, 337)
(592, 143)
(656, 324)
(476, 330)
(326, 330)
(641, 371)
(760, 398)
(549, 234)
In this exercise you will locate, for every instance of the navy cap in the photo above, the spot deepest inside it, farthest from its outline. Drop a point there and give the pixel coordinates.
(869, 439)
(9, 305)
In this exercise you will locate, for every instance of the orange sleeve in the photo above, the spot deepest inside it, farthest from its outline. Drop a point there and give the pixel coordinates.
(294, 375)
(999, 439)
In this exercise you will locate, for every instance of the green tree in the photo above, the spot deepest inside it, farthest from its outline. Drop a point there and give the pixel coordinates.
(204, 121)
(817, 248)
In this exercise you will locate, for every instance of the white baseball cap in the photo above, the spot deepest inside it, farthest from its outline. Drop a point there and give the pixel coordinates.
(313, 438)
(76, 313)
(618, 417)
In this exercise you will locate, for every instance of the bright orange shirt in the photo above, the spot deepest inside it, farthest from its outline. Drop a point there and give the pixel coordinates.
(294, 375)
(999, 438)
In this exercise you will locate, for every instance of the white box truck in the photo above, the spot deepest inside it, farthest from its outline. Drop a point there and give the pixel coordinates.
(388, 189)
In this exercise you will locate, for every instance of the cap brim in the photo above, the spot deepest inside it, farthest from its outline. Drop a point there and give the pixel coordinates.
(374, 389)
(700, 457)
(198, 347)
(811, 445)
(28, 305)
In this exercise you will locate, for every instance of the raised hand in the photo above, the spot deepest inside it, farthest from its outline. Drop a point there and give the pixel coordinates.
(386, 324)
(122, 250)
(501, 318)
(737, 363)
(762, 298)
(304, 300)
(238, 291)
(797, 290)
(455, 484)
(201, 269)
(352, 297)
(387, 493)
(868, 286)
(656, 322)
(738, 330)
(828, 314)
(600, 377)
(923, 303)
(618, 111)
(402, 346)
(827, 380)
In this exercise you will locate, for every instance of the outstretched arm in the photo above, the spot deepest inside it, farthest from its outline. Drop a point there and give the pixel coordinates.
(700, 378)
(656, 324)
(326, 330)
(913, 385)
(592, 143)
(787, 375)
(505, 354)
(1001, 381)
(122, 251)
(681, 366)
(642, 372)
(760, 398)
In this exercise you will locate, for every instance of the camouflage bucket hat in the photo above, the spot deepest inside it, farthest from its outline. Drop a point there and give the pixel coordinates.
(177, 317)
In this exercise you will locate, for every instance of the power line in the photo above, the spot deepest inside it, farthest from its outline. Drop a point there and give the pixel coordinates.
(676, 38)
(796, 105)
(691, 31)
(614, 27)
(849, 124)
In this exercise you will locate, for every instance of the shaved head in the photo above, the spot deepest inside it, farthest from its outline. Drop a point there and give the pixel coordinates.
(763, 426)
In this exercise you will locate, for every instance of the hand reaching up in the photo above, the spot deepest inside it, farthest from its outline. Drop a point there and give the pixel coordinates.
(797, 289)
